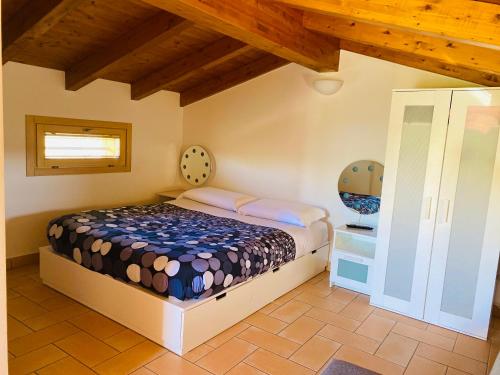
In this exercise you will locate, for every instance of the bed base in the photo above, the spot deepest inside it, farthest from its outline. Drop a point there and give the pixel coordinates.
(176, 325)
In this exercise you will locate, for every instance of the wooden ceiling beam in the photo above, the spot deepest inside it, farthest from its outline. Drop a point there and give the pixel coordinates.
(234, 77)
(153, 31)
(166, 78)
(33, 20)
(471, 22)
(422, 63)
(269, 27)
(482, 59)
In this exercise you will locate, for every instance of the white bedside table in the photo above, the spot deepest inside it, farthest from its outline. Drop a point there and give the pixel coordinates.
(170, 194)
(352, 258)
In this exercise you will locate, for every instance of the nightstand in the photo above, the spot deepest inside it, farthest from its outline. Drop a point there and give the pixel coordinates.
(170, 194)
(352, 258)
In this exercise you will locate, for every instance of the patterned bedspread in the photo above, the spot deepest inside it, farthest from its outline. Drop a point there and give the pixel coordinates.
(170, 250)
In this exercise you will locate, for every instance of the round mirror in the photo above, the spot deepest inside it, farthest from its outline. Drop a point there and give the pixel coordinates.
(196, 165)
(360, 186)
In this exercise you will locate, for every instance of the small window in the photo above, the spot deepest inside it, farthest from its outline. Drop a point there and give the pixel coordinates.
(56, 146)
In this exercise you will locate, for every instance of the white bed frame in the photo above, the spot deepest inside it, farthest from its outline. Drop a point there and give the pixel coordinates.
(176, 325)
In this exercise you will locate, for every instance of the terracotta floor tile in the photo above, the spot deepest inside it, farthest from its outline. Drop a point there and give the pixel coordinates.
(454, 360)
(302, 329)
(494, 350)
(35, 360)
(494, 336)
(342, 295)
(14, 282)
(244, 369)
(333, 319)
(169, 364)
(227, 335)
(319, 278)
(400, 318)
(41, 338)
(22, 308)
(97, 325)
(87, 349)
(358, 309)
(397, 349)
(131, 359)
(57, 302)
(30, 269)
(268, 341)
(287, 297)
(318, 290)
(16, 329)
(325, 321)
(124, 340)
(376, 327)
(37, 293)
(268, 309)
(275, 365)
(368, 361)
(442, 331)
(291, 311)
(320, 302)
(198, 352)
(349, 338)
(12, 294)
(421, 366)
(226, 356)
(452, 371)
(471, 347)
(424, 336)
(56, 316)
(265, 322)
(315, 353)
(142, 371)
(66, 366)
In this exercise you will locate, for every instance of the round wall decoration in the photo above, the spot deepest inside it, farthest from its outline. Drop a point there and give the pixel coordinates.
(196, 165)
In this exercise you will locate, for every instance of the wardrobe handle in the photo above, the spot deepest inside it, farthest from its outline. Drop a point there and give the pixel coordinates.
(445, 210)
(428, 208)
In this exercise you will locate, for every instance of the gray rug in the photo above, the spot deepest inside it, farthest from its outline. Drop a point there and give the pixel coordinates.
(338, 367)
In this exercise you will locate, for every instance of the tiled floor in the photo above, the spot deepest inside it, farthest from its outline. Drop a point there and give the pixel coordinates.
(296, 334)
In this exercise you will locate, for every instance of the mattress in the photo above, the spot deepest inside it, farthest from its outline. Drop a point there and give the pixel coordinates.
(184, 250)
(306, 239)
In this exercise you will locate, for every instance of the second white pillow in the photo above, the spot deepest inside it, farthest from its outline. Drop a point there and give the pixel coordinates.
(295, 213)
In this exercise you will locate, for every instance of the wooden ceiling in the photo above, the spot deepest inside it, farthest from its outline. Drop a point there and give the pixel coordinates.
(201, 47)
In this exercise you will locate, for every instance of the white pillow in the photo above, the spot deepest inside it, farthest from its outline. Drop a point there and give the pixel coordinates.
(294, 213)
(228, 200)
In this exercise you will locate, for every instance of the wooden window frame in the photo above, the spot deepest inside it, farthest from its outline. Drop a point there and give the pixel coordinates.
(38, 165)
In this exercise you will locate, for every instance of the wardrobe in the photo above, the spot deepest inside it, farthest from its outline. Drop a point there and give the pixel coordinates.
(439, 233)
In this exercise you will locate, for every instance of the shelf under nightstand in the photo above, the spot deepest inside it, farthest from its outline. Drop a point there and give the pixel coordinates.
(352, 258)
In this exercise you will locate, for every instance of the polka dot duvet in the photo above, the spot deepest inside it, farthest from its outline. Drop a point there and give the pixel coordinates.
(168, 249)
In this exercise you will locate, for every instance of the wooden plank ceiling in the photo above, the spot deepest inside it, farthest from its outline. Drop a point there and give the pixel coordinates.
(201, 47)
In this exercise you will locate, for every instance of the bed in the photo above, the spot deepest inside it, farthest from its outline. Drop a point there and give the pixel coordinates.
(183, 261)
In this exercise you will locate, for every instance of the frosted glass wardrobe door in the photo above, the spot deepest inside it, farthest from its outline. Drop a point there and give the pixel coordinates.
(467, 235)
(415, 147)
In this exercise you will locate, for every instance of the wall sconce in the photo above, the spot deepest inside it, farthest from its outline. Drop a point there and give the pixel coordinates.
(327, 86)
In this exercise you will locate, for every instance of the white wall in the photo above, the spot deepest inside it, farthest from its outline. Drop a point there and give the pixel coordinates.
(276, 137)
(32, 201)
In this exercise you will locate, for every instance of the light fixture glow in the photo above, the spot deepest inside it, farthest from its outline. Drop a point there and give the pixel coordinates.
(327, 86)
